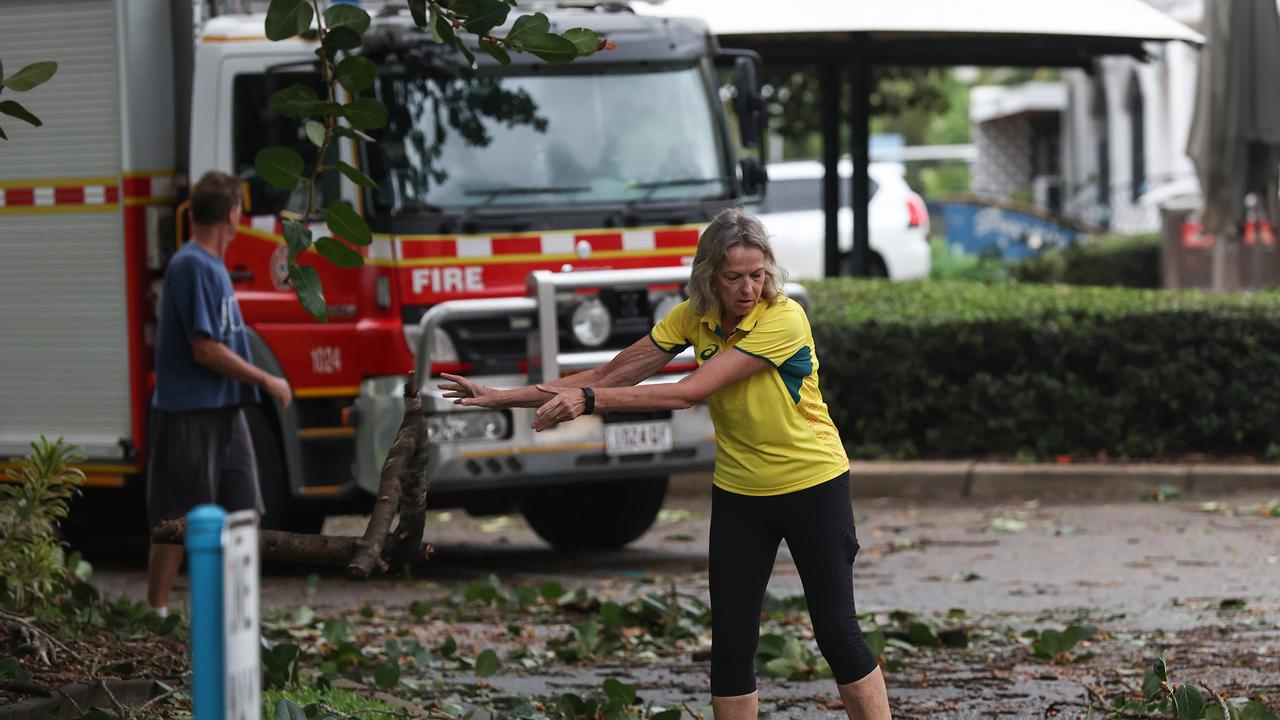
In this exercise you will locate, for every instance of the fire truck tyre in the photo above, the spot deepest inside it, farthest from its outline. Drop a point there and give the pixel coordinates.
(282, 512)
(595, 516)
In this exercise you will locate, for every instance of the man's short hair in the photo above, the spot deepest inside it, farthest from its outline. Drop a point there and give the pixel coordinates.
(213, 198)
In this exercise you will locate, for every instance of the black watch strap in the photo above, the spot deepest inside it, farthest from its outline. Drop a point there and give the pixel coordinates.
(590, 395)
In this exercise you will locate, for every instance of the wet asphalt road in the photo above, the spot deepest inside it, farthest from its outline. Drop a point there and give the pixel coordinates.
(1150, 575)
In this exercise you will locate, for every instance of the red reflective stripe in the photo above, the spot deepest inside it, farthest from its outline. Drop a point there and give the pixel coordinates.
(20, 196)
(137, 187)
(600, 243)
(68, 196)
(443, 248)
(517, 245)
(675, 239)
(111, 194)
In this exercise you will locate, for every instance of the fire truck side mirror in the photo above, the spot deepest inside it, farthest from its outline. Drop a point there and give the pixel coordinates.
(748, 101)
(754, 179)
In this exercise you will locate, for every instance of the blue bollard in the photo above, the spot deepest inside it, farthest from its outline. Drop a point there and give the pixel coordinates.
(204, 563)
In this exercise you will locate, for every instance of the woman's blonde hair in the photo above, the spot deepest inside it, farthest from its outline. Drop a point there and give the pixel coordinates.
(733, 227)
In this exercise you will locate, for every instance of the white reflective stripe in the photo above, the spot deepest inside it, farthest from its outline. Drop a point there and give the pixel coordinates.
(638, 240)
(44, 196)
(557, 244)
(161, 186)
(475, 247)
(95, 195)
(382, 249)
(265, 223)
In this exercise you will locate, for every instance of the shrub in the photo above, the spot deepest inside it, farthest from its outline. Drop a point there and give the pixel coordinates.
(32, 564)
(1112, 260)
(966, 369)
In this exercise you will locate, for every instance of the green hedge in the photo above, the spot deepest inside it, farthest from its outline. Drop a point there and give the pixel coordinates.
(936, 370)
(1124, 260)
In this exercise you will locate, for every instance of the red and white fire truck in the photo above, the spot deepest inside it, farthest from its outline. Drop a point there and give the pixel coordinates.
(529, 220)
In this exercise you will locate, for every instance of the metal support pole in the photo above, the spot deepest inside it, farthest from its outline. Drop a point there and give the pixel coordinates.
(860, 150)
(831, 92)
(204, 553)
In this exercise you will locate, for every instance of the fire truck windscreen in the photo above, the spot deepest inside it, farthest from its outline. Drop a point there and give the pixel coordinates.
(604, 134)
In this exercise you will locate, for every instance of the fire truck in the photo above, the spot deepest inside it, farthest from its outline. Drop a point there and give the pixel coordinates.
(530, 220)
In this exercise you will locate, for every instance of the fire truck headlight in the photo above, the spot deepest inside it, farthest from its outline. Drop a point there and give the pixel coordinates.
(473, 425)
(665, 305)
(591, 323)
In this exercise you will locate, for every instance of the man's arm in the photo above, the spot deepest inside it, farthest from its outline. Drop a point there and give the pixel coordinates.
(222, 360)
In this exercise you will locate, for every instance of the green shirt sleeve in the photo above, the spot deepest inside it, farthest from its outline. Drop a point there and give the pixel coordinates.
(671, 334)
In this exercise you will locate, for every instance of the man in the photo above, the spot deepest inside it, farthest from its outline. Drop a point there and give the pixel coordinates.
(201, 450)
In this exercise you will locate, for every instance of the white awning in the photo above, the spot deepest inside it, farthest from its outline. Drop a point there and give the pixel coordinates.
(1120, 19)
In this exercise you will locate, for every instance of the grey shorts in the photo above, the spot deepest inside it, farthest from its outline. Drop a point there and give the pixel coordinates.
(197, 457)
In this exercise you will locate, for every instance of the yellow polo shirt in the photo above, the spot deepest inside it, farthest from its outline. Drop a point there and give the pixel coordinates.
(773, 432)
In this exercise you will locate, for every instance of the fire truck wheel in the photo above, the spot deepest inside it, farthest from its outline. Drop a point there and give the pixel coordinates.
(595, 516)
(281, 511)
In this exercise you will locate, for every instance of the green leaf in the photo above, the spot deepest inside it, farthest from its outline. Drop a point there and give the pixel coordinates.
(13, 109)
(356, 176)
(781, 668)
(528, 27)
(286, 18)
(617, 690)
(365, 114)
(551, 590)
(356, 73)
(387, 674)
(297, 236)
(10, 669)
(351, 16)
(297, 100)
(418, 9)
(586, 41)
(487, 663)
(347, 223)
(346, 132)
(434, 26)
(495, 51)
(552, 48)
(315, 133)
(31, 76)
(280, 166)
(419, 609)
(923, 634)
(2, 135)
(668, 714)
(339, 253)
(1187, 702)
(875, 641)
(481, 16)
(335, 631)
(1256, 710)
(306, 285)
(342, 38)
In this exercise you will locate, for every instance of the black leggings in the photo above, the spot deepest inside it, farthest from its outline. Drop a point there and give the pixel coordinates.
(817, 524)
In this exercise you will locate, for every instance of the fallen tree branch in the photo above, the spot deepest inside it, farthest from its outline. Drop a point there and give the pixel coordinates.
(369, 554)
(282, 546)
(34, 628)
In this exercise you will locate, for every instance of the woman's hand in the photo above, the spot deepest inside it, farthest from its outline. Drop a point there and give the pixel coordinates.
(566, 403)
(465, 392)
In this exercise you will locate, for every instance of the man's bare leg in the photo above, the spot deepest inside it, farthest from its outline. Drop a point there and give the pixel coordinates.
(866, 699)
(162, 569)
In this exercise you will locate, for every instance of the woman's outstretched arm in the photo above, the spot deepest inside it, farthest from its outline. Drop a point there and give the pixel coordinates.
(637, 362)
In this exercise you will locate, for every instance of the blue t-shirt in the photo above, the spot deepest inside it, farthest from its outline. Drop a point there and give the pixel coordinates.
(198, 300)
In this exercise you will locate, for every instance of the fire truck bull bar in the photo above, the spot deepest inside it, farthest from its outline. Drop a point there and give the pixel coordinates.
(571, 452)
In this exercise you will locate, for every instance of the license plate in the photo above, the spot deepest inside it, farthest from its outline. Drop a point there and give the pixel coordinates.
(634, 438)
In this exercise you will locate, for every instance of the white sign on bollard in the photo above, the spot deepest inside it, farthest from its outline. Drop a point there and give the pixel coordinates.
(242, 644)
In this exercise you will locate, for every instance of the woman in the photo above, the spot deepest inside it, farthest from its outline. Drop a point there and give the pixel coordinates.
(781, 470)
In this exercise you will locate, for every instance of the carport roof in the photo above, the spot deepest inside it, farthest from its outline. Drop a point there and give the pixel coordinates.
(942, 32)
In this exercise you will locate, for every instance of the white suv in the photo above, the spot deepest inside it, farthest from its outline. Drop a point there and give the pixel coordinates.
(792, 212)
